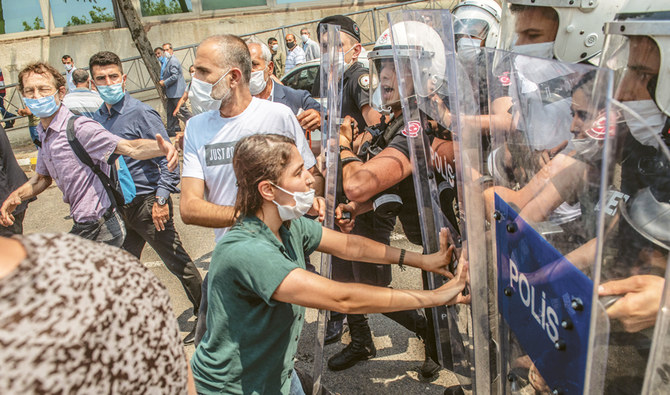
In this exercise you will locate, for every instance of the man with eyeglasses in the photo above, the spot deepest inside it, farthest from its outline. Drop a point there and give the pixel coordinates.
(93, 211)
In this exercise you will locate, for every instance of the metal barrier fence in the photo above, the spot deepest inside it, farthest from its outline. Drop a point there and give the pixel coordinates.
(372, 23)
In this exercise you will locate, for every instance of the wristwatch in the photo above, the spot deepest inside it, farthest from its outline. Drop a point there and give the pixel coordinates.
(161, 200)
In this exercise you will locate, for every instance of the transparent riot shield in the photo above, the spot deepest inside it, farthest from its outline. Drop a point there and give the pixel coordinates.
(631, 278)
(331, 88)
(434, 106)
(548, 126)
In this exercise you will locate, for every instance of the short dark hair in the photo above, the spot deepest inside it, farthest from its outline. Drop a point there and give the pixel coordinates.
(548, 12)
(158, 49)
(104, 58)
(271, 39)
(66, 57)
(44, 69)
(79, 76)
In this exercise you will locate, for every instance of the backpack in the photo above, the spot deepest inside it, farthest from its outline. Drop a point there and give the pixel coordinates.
(118, 184)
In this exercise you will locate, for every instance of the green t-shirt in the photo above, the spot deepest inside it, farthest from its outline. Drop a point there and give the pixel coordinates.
(251, 339)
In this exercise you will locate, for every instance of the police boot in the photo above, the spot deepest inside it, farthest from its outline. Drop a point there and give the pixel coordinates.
(429, 367)
(360, 348)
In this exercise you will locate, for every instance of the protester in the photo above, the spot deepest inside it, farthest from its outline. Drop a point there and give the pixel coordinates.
(82, 100)
(91, 207)
(301, 103)
(69, 66)
(254, 322)
(222, 73)
(172, 79)
(295, 55)
(149, 216)
(11, 177)
(309, 46)
(278, 57)
(80, 317)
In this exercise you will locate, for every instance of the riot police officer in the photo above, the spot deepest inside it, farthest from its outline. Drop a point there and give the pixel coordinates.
(356, 105)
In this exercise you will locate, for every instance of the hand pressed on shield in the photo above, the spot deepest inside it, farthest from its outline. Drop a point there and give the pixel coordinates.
(638, 308)
(452, 290)
(439, 261)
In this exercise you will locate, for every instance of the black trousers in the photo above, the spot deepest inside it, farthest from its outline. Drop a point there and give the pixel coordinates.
(141, 230)
(173, 122)
(16, 228)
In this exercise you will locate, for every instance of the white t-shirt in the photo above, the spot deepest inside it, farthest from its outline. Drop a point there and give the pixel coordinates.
(209, 141)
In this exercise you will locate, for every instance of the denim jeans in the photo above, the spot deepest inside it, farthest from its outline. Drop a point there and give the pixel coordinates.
(109, 229)
(296, 386)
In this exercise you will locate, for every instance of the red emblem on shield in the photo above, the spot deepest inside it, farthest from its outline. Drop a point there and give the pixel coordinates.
(598, 131)
(413, 129)
(504, 79)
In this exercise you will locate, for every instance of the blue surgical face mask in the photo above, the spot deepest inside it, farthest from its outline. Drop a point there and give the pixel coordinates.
(111, 94)
(44, 106)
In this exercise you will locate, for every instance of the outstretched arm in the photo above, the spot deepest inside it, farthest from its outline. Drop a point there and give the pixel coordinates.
(142, 149)
(311, 290)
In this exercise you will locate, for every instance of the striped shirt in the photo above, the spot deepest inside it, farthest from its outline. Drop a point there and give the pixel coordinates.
(82, 101)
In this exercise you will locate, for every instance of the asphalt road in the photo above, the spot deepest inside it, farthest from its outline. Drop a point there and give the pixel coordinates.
(399, 352)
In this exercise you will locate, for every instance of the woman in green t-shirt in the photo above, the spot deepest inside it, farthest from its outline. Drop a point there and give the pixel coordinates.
(259, 288)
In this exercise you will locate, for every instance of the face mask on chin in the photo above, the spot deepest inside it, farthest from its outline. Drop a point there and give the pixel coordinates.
(303, 202)
(654, 120)
(541, 50)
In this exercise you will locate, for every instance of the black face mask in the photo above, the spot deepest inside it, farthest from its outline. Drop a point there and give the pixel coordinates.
(290, 45)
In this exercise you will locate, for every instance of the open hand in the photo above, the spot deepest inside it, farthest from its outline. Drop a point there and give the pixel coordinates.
(169, 150)
(439, 261)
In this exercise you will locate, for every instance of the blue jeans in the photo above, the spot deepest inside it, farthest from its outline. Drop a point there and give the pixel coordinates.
(296, 387)
(109, 229)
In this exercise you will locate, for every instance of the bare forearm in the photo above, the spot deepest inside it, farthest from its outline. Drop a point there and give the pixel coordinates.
(362, 299)
(140, 149)
(33, 187)
(203, 213)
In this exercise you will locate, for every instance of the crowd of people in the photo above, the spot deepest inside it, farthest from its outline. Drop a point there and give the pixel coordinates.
(81, 316)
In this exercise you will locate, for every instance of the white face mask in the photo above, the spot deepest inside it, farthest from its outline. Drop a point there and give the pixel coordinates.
(588, 148)
(303, 202)
(304, 38)
(200, 95)
(654, 120)
(469, 48)
(275, 47)
(341, 63)
(541, 50)
(257, 82)
(68, 67)
(166, 54)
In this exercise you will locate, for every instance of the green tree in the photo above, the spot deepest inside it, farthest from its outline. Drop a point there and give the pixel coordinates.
(97, 15)
(35, 25)
(163, 7)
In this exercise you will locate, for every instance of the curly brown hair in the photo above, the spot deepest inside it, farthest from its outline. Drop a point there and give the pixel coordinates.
(43, 69)
(257, 158)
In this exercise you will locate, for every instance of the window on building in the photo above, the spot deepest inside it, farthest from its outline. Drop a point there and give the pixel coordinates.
(74, 13)
(164, 7)
(15, 19)
(223, 4)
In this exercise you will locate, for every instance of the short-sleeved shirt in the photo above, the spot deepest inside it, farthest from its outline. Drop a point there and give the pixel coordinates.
(81, 188)
(83, 101)
(295, 57)
(355, 93)
(251, 339)
(77, 316)
(209, 142)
